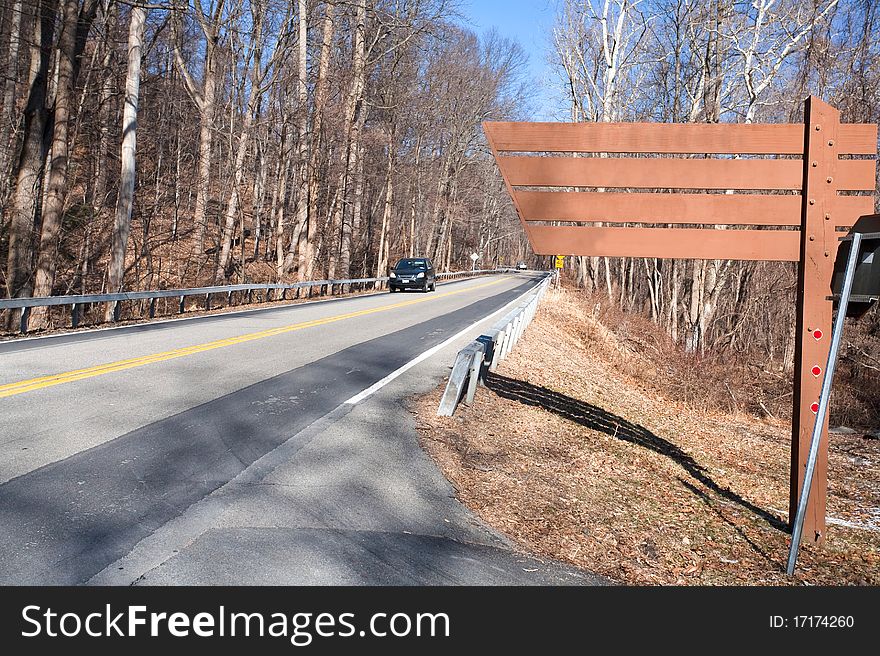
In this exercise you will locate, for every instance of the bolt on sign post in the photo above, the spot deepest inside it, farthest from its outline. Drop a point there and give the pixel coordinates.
(777, 188)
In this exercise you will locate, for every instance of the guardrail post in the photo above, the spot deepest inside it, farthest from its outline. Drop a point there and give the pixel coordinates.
(228, 299)
(454, 388)
(498, 351)
(116, 309)
(207, 302)
(284, 294)
(23, 322)
(152, 307)
(509, 337)
(74, 315)
(476, 367)
(181, 307)
(488, 341)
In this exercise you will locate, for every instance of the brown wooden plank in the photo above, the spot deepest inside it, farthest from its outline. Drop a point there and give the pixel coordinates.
(669, 173)
(848, 209)
(781, 139)
(856, 174)
(647, 138)
(858, 139)
(727, 209)
(672, 243)
(653, 173)
(710, 209)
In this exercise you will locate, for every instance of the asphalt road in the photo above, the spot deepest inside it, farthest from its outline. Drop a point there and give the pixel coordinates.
(109, 436)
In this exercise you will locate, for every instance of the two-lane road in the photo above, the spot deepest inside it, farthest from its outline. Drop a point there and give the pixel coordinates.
(107, 436)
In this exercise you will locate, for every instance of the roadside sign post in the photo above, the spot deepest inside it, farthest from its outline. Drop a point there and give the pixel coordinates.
(812, 192)
(824, 397)
(474, 258)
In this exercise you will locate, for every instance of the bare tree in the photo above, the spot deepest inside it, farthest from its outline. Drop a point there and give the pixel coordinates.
(125, 201)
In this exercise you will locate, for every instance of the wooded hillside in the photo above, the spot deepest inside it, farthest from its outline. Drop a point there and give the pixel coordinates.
(176, 144)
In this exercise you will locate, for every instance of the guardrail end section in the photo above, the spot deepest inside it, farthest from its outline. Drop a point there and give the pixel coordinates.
(460, 372)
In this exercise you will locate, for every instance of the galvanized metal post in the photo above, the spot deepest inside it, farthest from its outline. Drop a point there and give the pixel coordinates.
(23, 319)
(474, 376)
(816, 438)
(498, 349)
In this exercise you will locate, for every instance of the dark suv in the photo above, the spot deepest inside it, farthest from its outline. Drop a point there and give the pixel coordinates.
(412, 273)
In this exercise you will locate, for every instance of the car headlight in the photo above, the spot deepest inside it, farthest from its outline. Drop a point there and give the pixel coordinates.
(393, 275)
(421, 275)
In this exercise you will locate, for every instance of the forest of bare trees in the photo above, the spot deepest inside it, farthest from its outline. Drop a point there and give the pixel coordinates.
(714, 61)
(171, 144)
(176, 143)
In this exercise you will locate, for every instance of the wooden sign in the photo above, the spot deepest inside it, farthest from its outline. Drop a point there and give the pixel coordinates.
(775, 188)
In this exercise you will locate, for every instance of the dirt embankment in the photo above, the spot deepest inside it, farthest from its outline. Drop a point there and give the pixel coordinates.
(576, 453)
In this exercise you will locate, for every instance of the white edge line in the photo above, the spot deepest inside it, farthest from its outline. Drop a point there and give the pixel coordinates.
(375, 387)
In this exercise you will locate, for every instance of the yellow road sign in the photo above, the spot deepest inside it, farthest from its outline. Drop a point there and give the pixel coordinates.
(560, 261)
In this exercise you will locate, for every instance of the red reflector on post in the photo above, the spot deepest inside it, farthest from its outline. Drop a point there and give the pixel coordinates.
(815, 408)
(817, 371)
(817, 334)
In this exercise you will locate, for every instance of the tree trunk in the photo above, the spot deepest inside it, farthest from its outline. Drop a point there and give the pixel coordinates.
(357, 205)
(206, 138)
(8, 124)
(99, 188)
(71, 41)
(125, 201)
(382, 255)
(307, 253)
(340, 230)
(304, 187)
(234, 202)
(24, 206)
(442, 189)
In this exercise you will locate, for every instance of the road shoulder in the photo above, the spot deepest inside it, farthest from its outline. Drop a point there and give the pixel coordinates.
(352, 499)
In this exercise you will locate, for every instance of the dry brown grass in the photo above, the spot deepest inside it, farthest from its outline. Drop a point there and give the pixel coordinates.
(577, 453)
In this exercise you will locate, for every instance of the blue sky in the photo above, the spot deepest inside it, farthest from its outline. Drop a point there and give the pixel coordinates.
(528, 22)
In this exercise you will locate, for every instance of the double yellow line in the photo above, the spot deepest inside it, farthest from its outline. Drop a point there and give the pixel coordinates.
(12, 389)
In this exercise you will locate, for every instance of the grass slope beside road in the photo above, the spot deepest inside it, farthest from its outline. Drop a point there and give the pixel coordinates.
(575, 452)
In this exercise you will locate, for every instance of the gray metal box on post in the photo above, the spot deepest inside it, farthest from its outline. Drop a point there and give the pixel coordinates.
(866, 283)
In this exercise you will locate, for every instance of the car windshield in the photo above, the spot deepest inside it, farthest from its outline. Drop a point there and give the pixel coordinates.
(412, 264)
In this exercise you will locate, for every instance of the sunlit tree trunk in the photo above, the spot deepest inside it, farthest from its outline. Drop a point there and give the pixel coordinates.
(75, 25)
(128, 156)
(24, 204)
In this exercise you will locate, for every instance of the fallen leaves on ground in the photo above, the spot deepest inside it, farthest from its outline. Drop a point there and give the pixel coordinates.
(579, 458)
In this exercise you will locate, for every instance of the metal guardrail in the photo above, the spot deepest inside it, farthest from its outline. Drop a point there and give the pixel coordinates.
(266, 291)
(485, 352)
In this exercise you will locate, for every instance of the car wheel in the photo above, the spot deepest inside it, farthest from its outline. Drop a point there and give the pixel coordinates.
(392, 289)
(425, 288)
(433, 286)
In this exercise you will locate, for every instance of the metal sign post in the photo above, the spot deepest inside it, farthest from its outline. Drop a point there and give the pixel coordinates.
(559, 263)
(815, 440)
